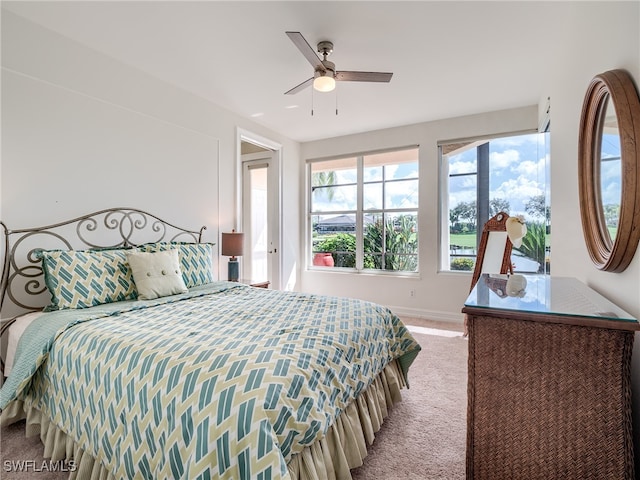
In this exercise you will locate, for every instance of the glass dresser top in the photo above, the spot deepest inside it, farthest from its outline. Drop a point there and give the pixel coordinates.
(543, 294)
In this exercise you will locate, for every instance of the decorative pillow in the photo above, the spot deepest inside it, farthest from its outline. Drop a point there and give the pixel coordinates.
(85, 278)
(196, 260)
(156, 274)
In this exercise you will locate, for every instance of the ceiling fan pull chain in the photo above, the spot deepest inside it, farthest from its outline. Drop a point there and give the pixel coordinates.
(336, 101)
(312, 102)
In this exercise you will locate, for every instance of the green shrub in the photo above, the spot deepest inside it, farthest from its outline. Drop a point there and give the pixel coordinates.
(392, 246)
(342, 247)
(462, 264)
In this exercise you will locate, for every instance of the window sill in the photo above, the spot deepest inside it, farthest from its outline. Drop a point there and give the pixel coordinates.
(367, 273)
(457, 273)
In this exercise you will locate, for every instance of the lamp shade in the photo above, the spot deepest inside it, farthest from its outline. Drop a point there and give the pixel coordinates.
(324, 83)
(232, 244)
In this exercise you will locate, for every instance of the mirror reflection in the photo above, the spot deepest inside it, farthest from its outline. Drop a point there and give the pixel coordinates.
(610, 168)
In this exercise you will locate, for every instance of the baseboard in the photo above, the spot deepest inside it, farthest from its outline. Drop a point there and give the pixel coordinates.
(457, 318)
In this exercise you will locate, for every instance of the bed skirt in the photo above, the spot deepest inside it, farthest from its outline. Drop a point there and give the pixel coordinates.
(331, 458)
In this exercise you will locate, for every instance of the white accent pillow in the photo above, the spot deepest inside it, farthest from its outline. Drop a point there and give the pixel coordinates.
(156, 274)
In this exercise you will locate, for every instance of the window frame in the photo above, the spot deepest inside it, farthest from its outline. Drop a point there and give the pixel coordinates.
(359, 212)
(444, 255)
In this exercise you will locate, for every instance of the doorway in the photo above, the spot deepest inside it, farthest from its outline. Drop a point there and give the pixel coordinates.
(260, 212)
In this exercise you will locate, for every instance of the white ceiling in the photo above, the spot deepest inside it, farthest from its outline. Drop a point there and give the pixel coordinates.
(448, 58)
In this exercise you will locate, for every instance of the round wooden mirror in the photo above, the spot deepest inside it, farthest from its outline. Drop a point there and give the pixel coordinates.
(609, 170)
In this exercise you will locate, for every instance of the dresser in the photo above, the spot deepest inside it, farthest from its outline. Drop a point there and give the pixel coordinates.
(549, 381)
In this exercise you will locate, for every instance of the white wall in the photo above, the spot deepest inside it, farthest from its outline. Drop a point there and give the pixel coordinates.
(82, 132)
(618, 47)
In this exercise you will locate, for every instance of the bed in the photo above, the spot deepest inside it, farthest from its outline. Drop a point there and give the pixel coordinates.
(126, 375)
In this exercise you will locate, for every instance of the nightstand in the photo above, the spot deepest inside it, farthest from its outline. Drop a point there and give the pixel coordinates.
(259, 284)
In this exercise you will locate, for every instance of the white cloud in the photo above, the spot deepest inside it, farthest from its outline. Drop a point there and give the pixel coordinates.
(610, 171)
(344, 198)
(532, 169)
(611, 193)
(463, 196)
(462, 167)
(504, 159)
(519, 141)
(518, 191)
(518, 167)
(610, 181)
(403, 194)
(412, 174)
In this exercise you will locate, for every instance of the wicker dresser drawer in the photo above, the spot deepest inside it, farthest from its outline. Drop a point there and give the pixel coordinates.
(549, 392)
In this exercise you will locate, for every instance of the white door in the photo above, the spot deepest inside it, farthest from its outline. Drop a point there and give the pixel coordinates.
(260, 219)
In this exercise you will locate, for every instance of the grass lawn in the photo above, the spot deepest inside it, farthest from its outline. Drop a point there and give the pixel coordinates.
(463, 239)
(469, 239)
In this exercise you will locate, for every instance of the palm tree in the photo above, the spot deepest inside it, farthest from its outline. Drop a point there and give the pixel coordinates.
(324, 179)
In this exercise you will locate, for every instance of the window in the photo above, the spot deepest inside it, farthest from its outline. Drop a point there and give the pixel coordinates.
(484, 176)
(610, 180)
(363, 211)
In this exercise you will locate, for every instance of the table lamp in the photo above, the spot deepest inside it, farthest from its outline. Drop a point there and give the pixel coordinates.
(232, 244)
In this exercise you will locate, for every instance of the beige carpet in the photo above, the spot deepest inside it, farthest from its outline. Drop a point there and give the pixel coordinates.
(22, 457)
(423, 437)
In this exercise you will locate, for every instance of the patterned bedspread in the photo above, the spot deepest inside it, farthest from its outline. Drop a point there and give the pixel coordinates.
(227, 382)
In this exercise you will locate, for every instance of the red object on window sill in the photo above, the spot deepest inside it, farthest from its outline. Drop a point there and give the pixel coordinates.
(323, 260)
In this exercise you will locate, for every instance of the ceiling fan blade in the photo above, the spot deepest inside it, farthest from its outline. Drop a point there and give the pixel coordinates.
(300, 87)
(363, 76)
(304, 47)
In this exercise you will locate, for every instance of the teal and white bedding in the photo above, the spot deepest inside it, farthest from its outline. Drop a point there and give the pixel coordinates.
(225, 381)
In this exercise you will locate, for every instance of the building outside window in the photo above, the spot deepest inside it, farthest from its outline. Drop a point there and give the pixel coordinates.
(483, 176)
(363, 212)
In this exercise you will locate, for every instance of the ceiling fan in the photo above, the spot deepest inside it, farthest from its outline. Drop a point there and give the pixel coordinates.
(325, 74)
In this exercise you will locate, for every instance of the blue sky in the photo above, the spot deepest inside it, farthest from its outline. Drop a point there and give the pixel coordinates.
(517, 172)
(610, 170)
(400, 194)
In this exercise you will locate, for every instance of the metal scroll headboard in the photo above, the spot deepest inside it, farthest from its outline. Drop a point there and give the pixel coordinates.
(22, 288)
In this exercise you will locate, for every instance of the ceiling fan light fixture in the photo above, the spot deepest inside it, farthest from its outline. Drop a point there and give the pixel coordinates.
(323, 82)
(325, 76)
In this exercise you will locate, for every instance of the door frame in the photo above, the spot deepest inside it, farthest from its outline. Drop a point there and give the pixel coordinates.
(243, 135)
